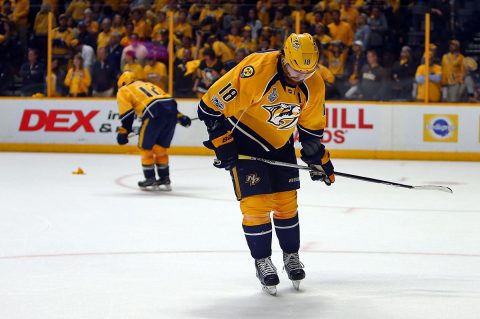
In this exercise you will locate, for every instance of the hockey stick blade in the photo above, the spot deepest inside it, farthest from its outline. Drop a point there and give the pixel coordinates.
(357, 177)
(434, 188)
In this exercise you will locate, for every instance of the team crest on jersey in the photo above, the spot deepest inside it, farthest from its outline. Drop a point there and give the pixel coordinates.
(283, 115)
(273, 96)
(252, 179)
(217, 102)
(247, 71)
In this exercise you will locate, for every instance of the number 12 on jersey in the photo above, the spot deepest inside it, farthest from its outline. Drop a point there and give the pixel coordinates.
(149, 91)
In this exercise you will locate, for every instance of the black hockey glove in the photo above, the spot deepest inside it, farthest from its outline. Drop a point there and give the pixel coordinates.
(318, 158)
(122, 136)
(183, 120)
(225, 150)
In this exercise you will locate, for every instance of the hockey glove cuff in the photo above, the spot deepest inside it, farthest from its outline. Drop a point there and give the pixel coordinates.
(318, 158)
(225, 149)
(122, 136)
(183, 120)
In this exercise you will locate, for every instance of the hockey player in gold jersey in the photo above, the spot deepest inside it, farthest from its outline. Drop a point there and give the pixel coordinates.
(254, 110)
(159, 115)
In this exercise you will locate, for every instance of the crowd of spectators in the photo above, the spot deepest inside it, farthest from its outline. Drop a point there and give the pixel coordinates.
(364, 45)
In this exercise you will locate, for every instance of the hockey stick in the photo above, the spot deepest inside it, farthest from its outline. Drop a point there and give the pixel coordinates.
(362, 178)
(132, 134)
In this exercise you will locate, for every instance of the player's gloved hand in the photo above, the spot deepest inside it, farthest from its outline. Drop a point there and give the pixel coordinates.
(184, 120)
(318, 158)
(225, 149)
(122, 136)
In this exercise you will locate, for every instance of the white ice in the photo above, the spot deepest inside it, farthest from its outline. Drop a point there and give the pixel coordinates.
(95, 246)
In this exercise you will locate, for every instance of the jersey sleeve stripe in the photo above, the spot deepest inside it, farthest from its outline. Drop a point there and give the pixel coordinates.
(125, 115)
(207, 110)
(250, 134)
(305, 134)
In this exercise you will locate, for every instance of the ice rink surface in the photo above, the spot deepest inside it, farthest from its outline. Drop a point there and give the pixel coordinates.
(95, 247)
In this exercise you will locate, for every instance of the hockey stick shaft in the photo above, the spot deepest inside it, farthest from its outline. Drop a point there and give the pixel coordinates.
(357, 177)
(132, 134)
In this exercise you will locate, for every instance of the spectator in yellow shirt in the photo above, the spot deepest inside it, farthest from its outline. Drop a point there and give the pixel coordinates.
(78, 78)
(62, 39)
(321, 36)
(92, 25)
(131, 65)
(159, 5)
(340, 30)
(221, 50)
(140, 25)
(234, 38)
(263, 9)
(336, 62)
(76, 9)
(194, 13)
(155, 72)
(161, 24)
(453, 72)
(118, 25)
(40, 29)
(182, 25)
(247, 41)
(126, 40)
(185, 46)
(20, 12)
(104, 37)
(278, 18)
(349, 14)
(19, 16)
(211, 10)
(435, 77)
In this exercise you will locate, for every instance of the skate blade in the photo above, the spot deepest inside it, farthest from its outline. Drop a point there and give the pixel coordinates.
(296, 284)
(157, 188)
(164, 188)
(271, 290)
(152, 188)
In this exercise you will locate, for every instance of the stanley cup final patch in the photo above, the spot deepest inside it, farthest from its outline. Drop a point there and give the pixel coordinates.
(247, 71)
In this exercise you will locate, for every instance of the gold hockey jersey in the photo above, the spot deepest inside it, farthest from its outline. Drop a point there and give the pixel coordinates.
(139, 98)
(136, 96)
(257, 101)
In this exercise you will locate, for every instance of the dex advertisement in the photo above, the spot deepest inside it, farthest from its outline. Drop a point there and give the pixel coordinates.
(350, 125)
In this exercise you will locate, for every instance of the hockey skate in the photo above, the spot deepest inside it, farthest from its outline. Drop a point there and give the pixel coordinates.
(163, 184)
(148, 184)
(294, 269)
(267, 274)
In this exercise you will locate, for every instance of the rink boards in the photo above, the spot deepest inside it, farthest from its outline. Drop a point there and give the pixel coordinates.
(354, 129)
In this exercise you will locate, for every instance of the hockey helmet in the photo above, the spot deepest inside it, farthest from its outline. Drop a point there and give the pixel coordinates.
(127, 77)
(301, 52)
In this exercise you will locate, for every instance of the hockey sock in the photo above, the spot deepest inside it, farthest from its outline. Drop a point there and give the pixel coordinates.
(288, 234)
(259, 240)
(148, 171)
(163, 170)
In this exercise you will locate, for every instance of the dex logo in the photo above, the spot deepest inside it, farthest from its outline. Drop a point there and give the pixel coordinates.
(57, 120)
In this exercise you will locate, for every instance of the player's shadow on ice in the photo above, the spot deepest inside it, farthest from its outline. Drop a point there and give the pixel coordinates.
(287, 304)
